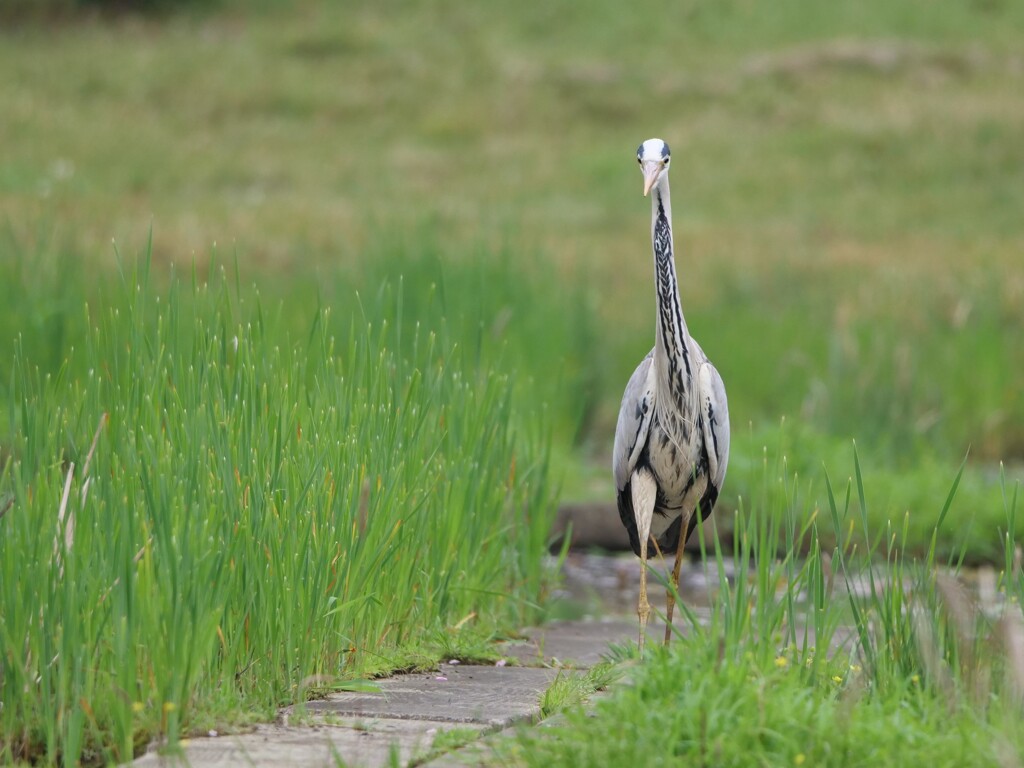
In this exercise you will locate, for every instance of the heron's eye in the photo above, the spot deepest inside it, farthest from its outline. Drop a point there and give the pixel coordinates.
(665, 161)
(640, 161)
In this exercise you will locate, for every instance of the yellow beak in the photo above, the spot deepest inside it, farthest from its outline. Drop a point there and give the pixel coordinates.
(651, 171)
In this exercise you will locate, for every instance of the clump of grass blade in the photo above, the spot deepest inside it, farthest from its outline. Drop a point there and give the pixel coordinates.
(254, 513)
(833, 658)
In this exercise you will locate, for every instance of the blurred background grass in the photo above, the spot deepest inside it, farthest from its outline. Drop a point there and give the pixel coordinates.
(849, 190)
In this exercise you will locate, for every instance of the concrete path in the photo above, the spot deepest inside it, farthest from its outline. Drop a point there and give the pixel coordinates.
(416, 717)
(423, 719)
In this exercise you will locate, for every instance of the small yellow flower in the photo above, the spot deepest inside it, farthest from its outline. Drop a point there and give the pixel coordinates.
(915, 679)
(169, 706)
(138, 706)
(855, 668)
(799, 759)
(836, 679)
(781, 662)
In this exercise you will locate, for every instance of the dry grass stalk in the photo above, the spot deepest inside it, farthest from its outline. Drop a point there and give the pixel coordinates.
(1010, 636)
(1004, 639)
(88, 458)
(65, 521)
(966, 613)
(828, 573)
(66, 514)
(928, 647)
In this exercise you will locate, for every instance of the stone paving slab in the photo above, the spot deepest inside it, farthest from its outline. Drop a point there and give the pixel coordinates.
(362, 729)
(577, 644)
(495, 749)
(354, 743)
(492, 696)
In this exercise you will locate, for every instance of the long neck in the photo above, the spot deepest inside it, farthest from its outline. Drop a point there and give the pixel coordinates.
(672, 348)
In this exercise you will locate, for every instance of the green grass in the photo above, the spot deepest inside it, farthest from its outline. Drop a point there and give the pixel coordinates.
(452, 739)
(571, 689)
(697, 708)
(908, 490)
(209, 514)
(925, 675)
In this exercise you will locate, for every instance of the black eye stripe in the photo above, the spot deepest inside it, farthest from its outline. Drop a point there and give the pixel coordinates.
(664, 152)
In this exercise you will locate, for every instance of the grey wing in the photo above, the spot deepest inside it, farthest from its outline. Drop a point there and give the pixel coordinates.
(715, 412)
(634, 422)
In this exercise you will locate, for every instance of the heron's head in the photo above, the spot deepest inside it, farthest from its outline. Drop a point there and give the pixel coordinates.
(654, 158)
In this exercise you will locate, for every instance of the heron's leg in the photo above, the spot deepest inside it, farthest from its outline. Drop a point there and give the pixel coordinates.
(675, 580)
(644, 490)
(643, 609)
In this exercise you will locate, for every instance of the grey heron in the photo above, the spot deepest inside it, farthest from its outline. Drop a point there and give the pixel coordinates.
(672, 437)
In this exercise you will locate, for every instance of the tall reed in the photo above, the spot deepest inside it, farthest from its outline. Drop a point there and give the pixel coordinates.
(208, 513)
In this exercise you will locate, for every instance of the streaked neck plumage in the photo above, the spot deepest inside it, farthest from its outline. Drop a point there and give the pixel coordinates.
(672, 349)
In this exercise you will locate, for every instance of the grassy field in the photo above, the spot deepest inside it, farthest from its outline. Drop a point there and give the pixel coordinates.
(447, 194)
